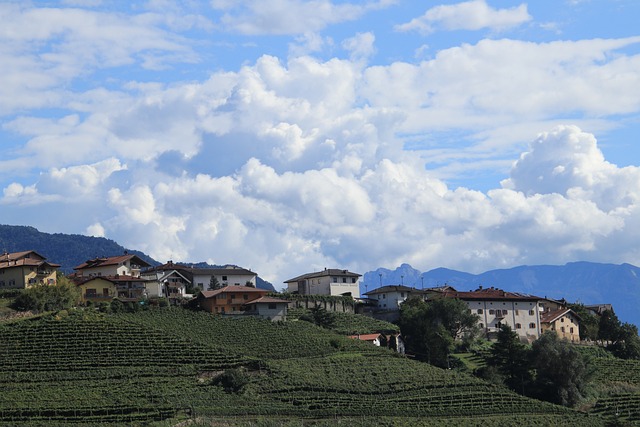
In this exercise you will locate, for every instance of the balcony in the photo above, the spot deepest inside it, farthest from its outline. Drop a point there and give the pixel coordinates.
(97, 297)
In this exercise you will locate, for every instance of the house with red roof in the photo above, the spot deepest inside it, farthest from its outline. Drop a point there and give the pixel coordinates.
(229, 299)
(121, 265)
(20, 270)
(564, 322)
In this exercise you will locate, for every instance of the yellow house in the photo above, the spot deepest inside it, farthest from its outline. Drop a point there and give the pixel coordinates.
(563, 322)
(97, 289)
(20, 270)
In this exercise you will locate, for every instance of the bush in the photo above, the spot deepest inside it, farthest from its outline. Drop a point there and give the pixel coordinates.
(232, 380)
(42, 297)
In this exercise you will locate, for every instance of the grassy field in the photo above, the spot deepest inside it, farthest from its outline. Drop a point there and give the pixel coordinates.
(166, 366)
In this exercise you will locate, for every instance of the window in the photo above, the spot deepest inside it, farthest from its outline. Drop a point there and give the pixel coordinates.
(518, 326)
(384, 295)
(562, 329)
(90, 293)
(272, 306)
(402, 294)
(479, 311)
(571, 330)
(1, 282)
(353, 280)
(517, 312)
(245, 297)
(531, 312)
(105, 292)
(344, 280)
(499, 325)
(233, 296)
(224, 278)
(504, 312)
(492, 311)
(12, 282)
(562, 320)
(532, 325)
(482, 325)
(334, 279)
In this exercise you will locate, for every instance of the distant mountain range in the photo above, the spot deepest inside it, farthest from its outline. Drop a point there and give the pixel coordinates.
(71, 250)
(585, 282)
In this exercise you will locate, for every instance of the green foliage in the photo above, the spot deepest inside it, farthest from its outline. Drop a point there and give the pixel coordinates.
(429, 329)
(609, 326)
(232, 380)
(42, 297)
(561, 370)
(623, 338)
(214, 284)
(511, 358)
(627, 345)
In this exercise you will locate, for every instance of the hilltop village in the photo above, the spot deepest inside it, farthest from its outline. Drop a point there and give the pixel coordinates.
(232, 291)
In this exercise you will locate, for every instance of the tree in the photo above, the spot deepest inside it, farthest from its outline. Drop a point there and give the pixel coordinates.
(214, 284)
(627, 346)
(430, 328)
(511, 357)
(42, 297)
(560, 370)
(609, 326)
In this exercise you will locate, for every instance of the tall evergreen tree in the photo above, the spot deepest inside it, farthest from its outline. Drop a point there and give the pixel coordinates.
(430, 328)
(511, 357)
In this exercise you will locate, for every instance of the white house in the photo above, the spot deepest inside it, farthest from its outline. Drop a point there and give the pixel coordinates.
(327, 282)
(166, 283)
(391, 297)
(495, 307)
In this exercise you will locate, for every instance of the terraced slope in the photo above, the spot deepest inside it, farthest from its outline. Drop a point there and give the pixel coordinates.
(157, 367)
(622, 379)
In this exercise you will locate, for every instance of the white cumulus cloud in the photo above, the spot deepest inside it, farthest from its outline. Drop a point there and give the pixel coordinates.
(470, 15)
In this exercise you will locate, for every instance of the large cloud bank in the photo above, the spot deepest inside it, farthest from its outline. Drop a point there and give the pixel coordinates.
(286, 166)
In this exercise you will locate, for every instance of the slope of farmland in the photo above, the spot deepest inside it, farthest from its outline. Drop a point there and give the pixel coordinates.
(158, 367)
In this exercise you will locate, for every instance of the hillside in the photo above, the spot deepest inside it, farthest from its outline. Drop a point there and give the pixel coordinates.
(160, 366)
(585, 282)
(68, 250)
(71, 250)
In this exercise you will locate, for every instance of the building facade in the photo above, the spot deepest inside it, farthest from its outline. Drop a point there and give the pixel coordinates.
(122, 265)
(20, 270)
(327, 282)
(391, 297)
(495, 307)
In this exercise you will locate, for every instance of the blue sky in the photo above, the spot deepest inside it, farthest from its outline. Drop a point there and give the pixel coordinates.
(288, 135)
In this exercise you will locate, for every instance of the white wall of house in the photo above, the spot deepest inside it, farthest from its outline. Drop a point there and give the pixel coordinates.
(202, 280)
(522, 316)
(154, 289)
(272, 311)
(391, 300)
(329, 285)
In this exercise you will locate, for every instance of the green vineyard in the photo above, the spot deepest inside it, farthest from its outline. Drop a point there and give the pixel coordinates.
(159, 367)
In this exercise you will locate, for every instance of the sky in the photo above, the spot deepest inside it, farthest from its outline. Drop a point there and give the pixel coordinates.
(287, 136)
